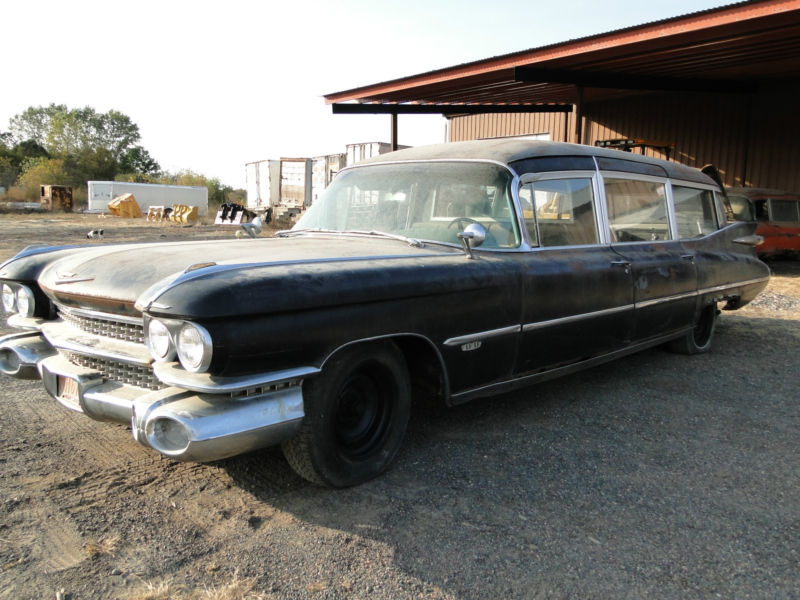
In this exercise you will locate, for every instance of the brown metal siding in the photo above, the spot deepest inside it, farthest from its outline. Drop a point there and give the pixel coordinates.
(753, 140)
(477, 127)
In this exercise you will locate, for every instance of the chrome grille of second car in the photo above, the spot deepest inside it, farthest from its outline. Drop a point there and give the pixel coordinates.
(118, 330)
(118, 371)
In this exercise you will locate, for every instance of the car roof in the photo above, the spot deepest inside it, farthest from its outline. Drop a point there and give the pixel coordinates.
(509, 150)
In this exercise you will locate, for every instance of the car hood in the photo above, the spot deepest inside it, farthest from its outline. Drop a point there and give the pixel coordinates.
(226, 276)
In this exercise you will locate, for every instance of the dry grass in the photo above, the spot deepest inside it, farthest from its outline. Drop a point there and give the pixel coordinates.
(236, 589)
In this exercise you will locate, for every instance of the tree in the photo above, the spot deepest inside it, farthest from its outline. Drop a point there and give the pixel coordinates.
(40, 171)
(91, 145)
(138, 160)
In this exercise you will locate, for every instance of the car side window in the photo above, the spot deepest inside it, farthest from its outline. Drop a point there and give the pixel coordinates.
(562, 212)
(787, 211)
(637, 210)
(694, 212)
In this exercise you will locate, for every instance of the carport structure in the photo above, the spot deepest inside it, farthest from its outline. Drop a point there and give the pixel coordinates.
(718, 86)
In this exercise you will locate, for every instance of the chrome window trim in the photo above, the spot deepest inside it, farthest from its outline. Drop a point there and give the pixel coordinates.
(665, 181)
(482, 335)
(695, 186)
(555, 175)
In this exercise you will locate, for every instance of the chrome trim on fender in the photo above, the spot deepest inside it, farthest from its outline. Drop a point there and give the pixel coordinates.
(574, 318)
(482, 335)
(174, 375)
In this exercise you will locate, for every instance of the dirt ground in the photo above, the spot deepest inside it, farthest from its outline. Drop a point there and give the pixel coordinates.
(657, 476)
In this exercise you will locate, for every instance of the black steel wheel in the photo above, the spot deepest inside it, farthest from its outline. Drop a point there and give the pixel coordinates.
(698, 340)
(356, 410)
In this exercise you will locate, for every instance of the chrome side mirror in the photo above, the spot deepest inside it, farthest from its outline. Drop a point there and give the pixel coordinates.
(473, 235)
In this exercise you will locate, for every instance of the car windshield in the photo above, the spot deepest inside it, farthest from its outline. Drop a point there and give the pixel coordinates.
(429, 201)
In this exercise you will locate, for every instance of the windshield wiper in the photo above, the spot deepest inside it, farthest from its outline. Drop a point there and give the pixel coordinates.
(392, 236)
(291, 232)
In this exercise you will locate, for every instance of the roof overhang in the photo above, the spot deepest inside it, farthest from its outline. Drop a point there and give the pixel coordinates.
(732, 49)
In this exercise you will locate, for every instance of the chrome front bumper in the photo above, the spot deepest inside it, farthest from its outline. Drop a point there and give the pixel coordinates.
(177, 422)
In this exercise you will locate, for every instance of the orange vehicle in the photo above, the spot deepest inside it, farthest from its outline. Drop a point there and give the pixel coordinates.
(777, 214)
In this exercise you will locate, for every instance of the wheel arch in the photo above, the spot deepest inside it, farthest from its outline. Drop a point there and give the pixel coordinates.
(426, 367)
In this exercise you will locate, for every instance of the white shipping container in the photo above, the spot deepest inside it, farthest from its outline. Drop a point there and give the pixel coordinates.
(147, 195)
(263, 184)
(296, 182)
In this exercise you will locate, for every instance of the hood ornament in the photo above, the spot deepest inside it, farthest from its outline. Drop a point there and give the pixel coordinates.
(62, 278)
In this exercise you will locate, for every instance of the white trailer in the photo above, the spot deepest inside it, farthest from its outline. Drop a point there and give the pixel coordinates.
(324, 169)
(147, 195)
(263, 184)
(358, 152)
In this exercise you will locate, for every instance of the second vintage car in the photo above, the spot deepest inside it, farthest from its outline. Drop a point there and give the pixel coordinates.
(458, 270)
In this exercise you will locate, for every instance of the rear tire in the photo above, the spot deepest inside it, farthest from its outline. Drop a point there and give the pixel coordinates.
(699, 339)
(356, 412)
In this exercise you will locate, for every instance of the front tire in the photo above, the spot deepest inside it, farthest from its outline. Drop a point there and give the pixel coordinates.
(356, 412)
(698, 340)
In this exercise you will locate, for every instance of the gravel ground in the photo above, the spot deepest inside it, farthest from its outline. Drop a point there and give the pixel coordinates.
(657, 476)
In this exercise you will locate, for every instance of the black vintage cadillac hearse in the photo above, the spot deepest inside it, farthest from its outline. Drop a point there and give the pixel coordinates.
(459, 270)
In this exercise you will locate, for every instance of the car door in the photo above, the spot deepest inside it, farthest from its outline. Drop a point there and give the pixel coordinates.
(577, 292)
(641, 233)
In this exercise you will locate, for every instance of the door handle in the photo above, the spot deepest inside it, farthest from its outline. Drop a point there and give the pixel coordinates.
(622, 263)
(689, 257)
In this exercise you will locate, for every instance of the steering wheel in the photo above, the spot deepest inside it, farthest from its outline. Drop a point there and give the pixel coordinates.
(459, 220)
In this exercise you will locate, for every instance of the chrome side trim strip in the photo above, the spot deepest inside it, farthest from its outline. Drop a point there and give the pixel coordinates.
(525, 380)
(482, 335)
(728, 286)
(579, 317)
(654, 301)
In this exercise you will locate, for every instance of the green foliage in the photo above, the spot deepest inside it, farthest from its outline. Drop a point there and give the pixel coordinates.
(59, 145)
(40, 171)
(92, 145)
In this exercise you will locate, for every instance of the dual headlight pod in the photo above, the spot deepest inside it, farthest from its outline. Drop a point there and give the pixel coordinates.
(190, 342)
(18, 299)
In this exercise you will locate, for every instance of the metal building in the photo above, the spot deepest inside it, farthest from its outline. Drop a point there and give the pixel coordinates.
(717, 86)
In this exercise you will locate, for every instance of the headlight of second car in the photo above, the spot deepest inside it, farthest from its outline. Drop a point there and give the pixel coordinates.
(26, 305)
(9, 298)
(18, 299)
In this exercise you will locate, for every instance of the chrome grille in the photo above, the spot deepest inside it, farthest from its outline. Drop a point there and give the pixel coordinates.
(117, 330)
(121, 372)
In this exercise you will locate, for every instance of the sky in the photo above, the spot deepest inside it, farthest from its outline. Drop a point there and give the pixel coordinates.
(215, 85)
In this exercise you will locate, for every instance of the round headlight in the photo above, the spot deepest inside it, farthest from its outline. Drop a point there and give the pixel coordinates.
(158, 340)
(25, 302)
(194, 347)
(9, 299)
